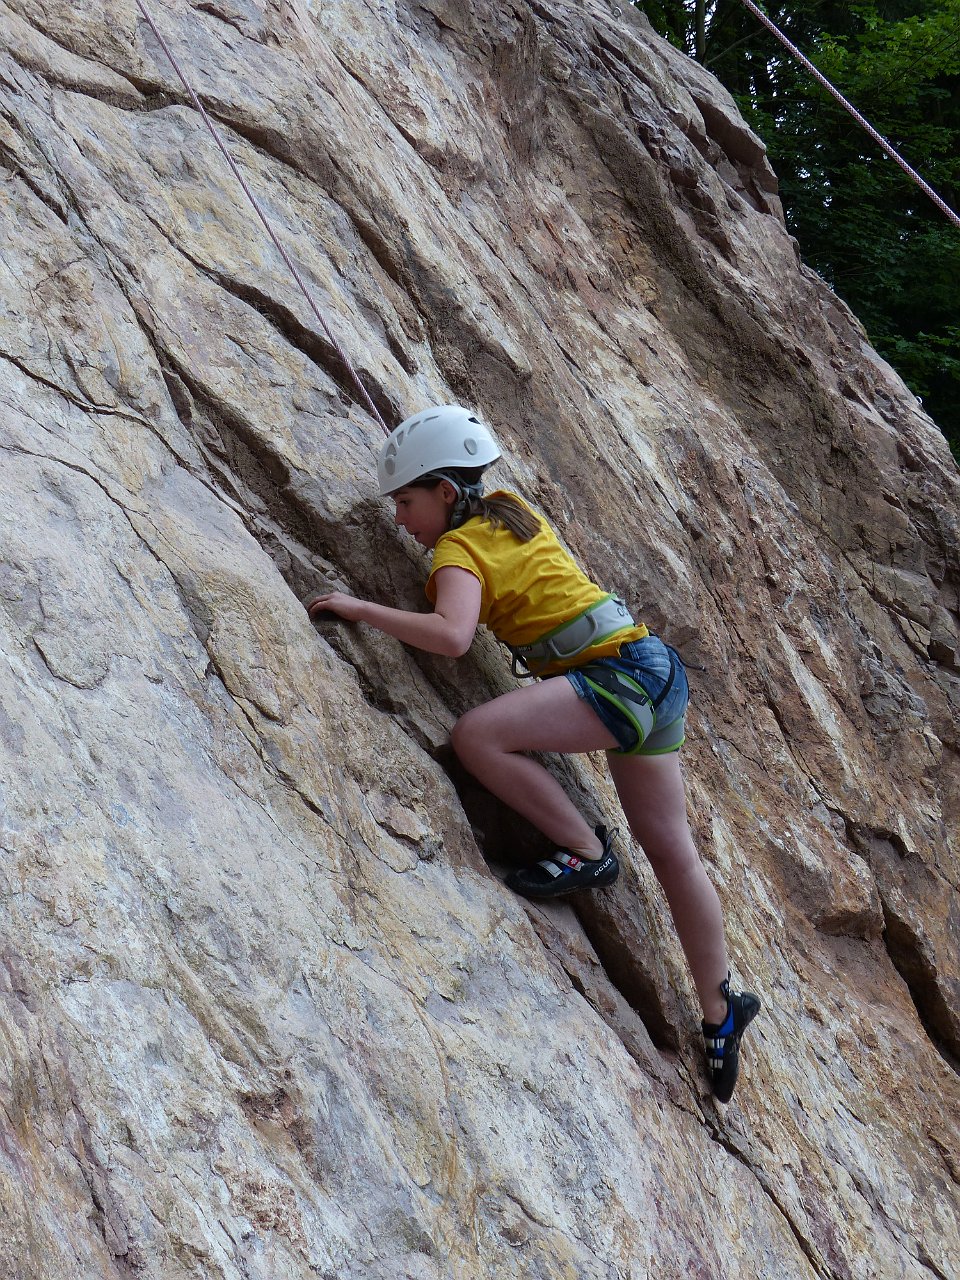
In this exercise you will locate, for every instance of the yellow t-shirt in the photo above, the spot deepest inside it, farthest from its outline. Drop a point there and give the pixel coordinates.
(528, 589)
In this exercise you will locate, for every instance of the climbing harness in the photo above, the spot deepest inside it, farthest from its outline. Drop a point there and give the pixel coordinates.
(594, 625)
(848, 106)
(629, 697)
(633, 702)
(342, 355)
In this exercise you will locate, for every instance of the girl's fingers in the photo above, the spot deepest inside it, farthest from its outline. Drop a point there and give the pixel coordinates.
(318, 609)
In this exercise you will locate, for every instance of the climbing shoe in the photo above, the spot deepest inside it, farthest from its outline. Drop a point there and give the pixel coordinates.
(723, 1039)
(566, 872)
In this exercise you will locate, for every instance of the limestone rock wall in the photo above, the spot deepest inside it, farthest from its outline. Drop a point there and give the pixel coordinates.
(266, 1009)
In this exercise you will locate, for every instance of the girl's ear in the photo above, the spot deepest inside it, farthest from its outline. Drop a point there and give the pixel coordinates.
(448, 492)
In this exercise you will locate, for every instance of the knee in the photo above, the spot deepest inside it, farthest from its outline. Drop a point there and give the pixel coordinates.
(671, 854)
(465, 736)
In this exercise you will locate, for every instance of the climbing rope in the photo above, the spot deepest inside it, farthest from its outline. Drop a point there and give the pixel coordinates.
(263, 218)
(864, 124)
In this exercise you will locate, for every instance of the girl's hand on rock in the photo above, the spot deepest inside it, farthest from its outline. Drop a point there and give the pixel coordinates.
(336, 605)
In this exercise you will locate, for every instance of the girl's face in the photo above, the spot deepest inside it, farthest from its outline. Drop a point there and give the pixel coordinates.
(425, 513)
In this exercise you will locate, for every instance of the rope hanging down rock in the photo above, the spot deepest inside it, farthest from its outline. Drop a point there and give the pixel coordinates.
(848, 106)
(365, 395)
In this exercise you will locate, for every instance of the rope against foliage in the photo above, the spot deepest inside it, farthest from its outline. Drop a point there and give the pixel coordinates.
(848, 106)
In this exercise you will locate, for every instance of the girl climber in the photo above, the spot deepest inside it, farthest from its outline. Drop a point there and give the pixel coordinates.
(605, 684)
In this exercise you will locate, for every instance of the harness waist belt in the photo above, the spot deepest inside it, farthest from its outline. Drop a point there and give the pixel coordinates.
(598, 623)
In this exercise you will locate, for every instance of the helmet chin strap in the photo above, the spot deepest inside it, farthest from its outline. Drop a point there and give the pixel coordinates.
(461, 508)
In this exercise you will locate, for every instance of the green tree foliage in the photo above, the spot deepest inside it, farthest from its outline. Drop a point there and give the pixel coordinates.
(870, 232)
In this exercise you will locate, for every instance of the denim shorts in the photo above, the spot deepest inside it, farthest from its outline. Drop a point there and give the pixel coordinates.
(657, 669)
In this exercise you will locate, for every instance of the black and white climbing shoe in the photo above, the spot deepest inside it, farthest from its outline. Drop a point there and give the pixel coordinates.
(723, 1039)
(566, 872)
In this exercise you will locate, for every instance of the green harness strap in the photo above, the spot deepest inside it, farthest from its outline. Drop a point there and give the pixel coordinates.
(630, 698)
(595, 624)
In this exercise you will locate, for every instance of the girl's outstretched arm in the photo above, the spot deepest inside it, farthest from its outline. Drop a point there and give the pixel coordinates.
(449, 630)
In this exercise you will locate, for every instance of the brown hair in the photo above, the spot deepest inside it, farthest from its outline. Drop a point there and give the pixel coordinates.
(504, 511)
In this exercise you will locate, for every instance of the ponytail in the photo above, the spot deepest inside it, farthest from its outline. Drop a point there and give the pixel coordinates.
(507, 513)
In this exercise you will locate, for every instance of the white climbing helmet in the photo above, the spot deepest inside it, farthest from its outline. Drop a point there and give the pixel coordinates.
(443, 438)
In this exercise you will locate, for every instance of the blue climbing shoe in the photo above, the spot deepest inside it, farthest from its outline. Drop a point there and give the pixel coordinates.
(723, 1039)
(566, 872)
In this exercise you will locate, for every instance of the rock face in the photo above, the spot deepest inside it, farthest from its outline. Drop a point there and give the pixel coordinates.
(267, 1009)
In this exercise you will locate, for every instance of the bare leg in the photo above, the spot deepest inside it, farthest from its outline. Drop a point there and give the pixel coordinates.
(549, 716)
(652, 794)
